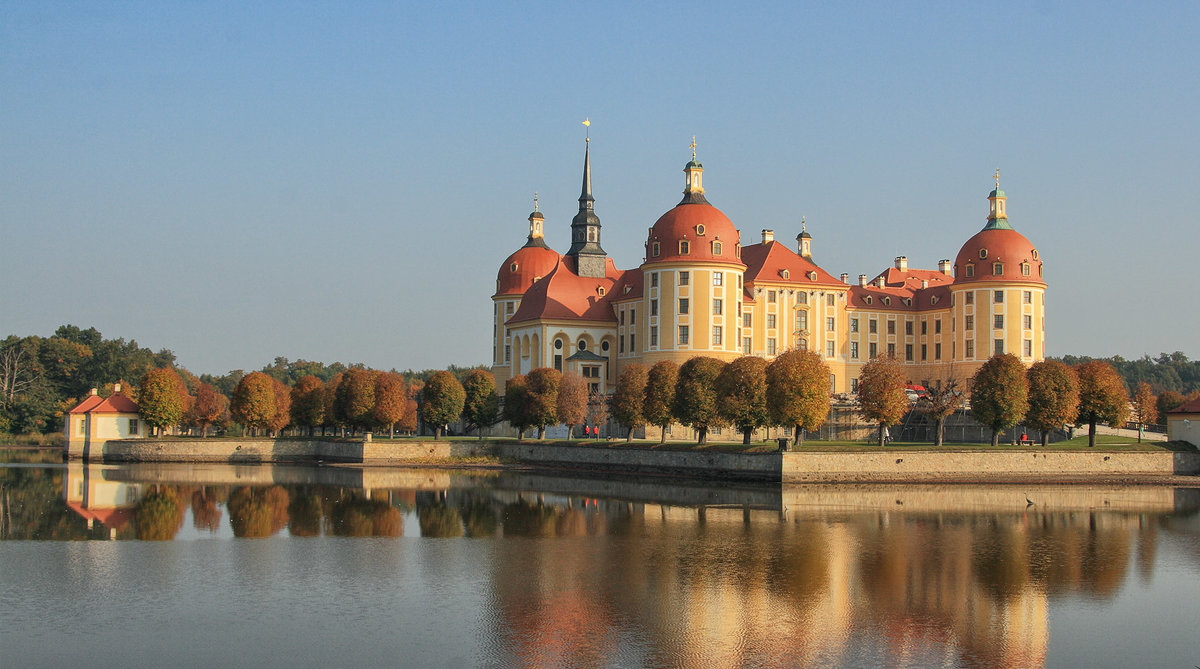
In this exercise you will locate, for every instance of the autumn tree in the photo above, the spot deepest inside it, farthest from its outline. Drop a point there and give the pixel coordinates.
(999, 394)
(597, 408)
(572, 401)
(1102, 397)
(1167, 400)
(1053, 397)
(516, 404)
(391, 400)
(356, 397)
(443, 401)
(329, 404)
(881, 397)
(208, 408)
(253, 403)
(308, 403)
(161, 398)
(742, 387)
(660, 395)
(941, 400)
(1145, 409)
(628, 399)
(543, 384)
(696, 401)
(798, 391)
(481, 407)
(283, 407)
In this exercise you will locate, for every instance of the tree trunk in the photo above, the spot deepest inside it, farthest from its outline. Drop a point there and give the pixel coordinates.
(629, 436)
(882, 428)
(437, 433)
(1092, 432)
(995, 438)
(702, 435)
(541, 432)
(1045, 438)
(798, 439)
(940, 432)
(662, 436)
(746, 436)
(392, 431)
(1139, 433)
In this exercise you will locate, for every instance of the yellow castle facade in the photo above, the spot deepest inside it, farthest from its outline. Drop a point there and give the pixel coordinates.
(701, 290)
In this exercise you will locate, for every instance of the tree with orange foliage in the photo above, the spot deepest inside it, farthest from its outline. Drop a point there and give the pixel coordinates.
(1053, 397)
(572, 401)
(208, 407)
(881, 397)
(628, 399)
(329, 405)
(161, 398)
(308, 403)
(1000, 394)
(253, 403)
(1145, 409)
(283, 407)
(391, 399)
(798, 391)
(1102, 397)
(356, 397)
(660, 395)
(542, 384)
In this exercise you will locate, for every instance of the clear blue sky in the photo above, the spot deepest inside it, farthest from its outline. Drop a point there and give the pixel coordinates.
(341, 181)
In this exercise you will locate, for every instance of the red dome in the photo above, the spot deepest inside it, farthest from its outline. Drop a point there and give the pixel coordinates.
(520, 270)
(703, 227)
(998, 245)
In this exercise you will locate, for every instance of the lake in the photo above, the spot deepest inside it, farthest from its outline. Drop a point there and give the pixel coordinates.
(215, 565)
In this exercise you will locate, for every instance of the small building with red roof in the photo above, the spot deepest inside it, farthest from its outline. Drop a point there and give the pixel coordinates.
(1183, 423)
(98, 419)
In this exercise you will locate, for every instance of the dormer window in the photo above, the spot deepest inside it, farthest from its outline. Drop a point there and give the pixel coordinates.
(866, 299)
(887, 300)
(627, 289)
(1034, 254)
(908, 301)
(700, 228)
(737, 250)
(933, 299)
(654, 249)
(716, 247)
(684, 247)
(1025, 269)
(812, 276)
(784, 273)
(970, 269)
(997, 268)
(600, 291)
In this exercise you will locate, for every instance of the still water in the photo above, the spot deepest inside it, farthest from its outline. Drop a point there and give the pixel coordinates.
(155, 565)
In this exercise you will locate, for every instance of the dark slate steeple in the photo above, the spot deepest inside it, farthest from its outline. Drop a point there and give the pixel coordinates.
(585, 227)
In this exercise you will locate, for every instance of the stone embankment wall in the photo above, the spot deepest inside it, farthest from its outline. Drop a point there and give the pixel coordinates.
(284, 450)
(749, 466)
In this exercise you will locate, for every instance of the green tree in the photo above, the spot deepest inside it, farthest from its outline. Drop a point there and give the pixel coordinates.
(253, 402)
(1167, 400)
(482, 405)
(1000, 394)
(516, 404)
(1102, 397)
(444, 397)
(798, 391)
(308, 402)
(391, 400)
(1053, 397)
(355, 397)
(881, 397)
(543, 384)
(572, 401)
(696, 400)
(660, 395)
(161, 399)
(742, 387)
(628, 399)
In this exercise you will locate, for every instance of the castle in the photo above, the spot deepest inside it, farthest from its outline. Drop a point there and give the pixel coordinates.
(701, 291)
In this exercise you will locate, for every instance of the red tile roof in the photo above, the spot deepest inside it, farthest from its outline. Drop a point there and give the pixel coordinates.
(767, 262)
(564, 295)
(1188, 407)
(117, 403)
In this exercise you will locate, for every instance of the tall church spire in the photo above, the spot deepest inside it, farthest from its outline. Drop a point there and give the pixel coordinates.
(585, 227)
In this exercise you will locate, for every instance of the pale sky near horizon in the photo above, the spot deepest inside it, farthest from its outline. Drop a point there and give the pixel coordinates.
(341, 182)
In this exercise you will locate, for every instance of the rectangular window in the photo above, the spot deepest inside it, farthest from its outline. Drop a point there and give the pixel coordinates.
(683, 305)
(683, 334)
(997, 296)
(801, 320)
(717, 307)
(937, 326)
(908, 352)
(969, 298)
(1024, 269)
(998, 321)
(653, 307)
(558, 361)
(771, 296)
(854, 325)
(924, 351)
(1028, 322)
(632, 347)
(508, 308)
(937, 351)
(133, 426)
(969, 322)
(908, 328)
(854, 385)
(830, 349)
(854, 350)
(654, 335)
(770, 321)
(770, 346)
(1027, 348)
(746, 342)
(969, 348)
(507, 352)
(746, 320)
(924, 327)
(1027, 297)
(829, 299)
(622, 317)
(82, 427)
(621, 343)
(830, 324)
(684, 277)
(872, 350)
(891, 350)
(633, 316)
(654, 279)
(872, 326)
(998, 346)
(718, 279)
(891, 327)
(716, 339)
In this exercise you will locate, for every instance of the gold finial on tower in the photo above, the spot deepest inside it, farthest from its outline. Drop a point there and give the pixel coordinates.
(692, 146)
(587, 123)
(803, 224)
(996, 176)
(535, 201)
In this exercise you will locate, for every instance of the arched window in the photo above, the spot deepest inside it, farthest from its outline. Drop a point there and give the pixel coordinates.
(582, 345)
(970, 269)
(654, 249)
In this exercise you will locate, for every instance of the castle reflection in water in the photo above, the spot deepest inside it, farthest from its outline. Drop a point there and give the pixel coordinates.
(953, 575)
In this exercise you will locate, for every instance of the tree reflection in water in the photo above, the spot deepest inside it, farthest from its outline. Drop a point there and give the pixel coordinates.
(258, 512)
(158, 515)
(357, 517)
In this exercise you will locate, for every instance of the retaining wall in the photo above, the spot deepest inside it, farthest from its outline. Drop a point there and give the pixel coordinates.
(283, 450)
(753, 466)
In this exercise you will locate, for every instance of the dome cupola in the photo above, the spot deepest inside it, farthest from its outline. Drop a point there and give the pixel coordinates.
(998, 252)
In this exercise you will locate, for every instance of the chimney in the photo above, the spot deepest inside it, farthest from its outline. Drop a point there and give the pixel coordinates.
(862, 280)
(944, 266)
(94, 392)
(845, 277)
(768, 236)
(880, 281)
(924, 283)
(116, 388)
(902, 263)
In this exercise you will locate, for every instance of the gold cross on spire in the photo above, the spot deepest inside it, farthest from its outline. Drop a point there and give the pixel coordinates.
(535, 201)
(996, 176)
(587, 123)
(692, 146)
(803, 224)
